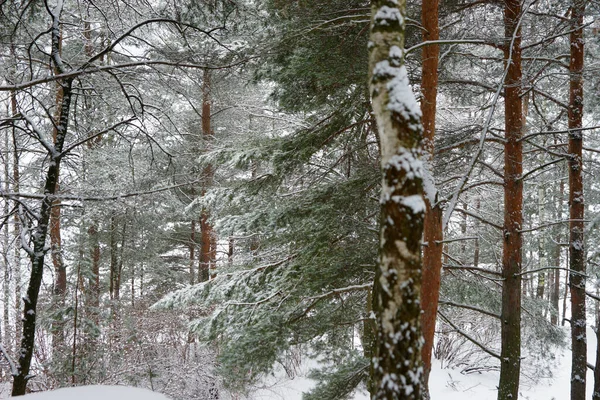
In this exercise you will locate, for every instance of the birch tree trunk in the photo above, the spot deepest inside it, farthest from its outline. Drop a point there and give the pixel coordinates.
(576, 206)
(397, 371)
(510, 367)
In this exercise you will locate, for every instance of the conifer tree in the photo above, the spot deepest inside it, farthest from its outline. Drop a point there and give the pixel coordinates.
(577, 205)
(510, 367)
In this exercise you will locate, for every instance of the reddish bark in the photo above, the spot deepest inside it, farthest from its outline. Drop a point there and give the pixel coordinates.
(513, 208)
(432, 229)
(207, 249)
(204, 259)
(192, 248)
(576, 206)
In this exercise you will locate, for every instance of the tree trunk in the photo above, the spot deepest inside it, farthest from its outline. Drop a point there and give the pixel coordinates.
(576, 206)
(192, 248)
(432, 227)
(397, 371)
(541, 286)
(230, 251)
(206, 230)
(556, 251)
(17, 228)
(114, 256)
(6, 247)
(510, 368)
(93, 291)
(60, 272)
(476, 225)
(596, 393)
(120, 265)
(39, 242)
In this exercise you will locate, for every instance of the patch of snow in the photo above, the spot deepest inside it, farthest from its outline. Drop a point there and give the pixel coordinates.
(449, 384)
(387, 16)
(97, 393)
(401, 97)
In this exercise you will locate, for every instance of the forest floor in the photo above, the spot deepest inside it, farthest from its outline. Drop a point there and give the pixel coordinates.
(445, 384)
(450, 384)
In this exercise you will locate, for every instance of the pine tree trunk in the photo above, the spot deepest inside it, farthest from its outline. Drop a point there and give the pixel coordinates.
(114, 256)
(93, 291)
(508, 388)
(541, 284)
(192, 248)
(432, 227)
(596, 392)
(207, 242)
(60, 272)
(120, 265)
(576, 206)
(556, 251)
(230, 250)
(476, 225)
(397, 371)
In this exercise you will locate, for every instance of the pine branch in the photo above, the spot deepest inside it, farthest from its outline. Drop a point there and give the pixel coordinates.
(468, 337)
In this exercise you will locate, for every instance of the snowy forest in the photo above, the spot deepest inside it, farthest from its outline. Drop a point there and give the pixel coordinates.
(385, 199)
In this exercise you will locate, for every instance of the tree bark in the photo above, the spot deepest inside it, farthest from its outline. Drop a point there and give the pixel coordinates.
(396, 370)
(120, 265)
(114, 256)
(556, 250)
(576, 206)
(39, 242)
(17, 225)
(192, 248)
(6, 246)
(596, 392)
(93, 291)
(207, 242)
(508, 388)
(432, 227)
(60, 272)
(541, 284)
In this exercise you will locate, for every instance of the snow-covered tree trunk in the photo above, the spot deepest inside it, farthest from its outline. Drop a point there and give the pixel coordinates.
(38, 237)
(397, 371)
(37, 254)
(576, 206)
(60, 271)
(510, 366)
(4, 229)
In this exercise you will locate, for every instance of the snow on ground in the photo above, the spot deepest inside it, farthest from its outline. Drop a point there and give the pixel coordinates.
(97, 393)
(445, 384)
(448, 384)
